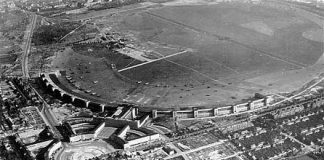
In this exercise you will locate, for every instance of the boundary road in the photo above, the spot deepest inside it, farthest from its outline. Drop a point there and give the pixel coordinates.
(265, 107)
(108, 12)
(24, 60)
(48, 116)
(196, 149)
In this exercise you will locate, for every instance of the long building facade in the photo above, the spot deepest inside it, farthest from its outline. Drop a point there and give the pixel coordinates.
(256, 106)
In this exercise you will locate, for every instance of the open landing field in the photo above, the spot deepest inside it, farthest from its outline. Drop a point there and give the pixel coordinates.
(216, 53)
(91, 74)
(233, 45)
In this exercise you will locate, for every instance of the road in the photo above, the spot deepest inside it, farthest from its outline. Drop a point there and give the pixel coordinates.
(84, 23)
(300, 93)
(51, 120)
(48, 116)
(309, 148)
(26, 50)
(265, 107)
(196, 149)
(124, 9)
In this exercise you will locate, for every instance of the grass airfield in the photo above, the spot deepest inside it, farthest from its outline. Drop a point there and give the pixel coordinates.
(236, 50)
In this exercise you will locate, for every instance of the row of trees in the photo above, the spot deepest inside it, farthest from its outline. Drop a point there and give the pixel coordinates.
(49, 34)
(114, 4)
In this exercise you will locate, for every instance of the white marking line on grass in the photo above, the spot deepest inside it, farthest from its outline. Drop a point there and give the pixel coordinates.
(140, 99)
(147, 100)
(205, 75)
(126, 99)
(221, 64)
(84, 23)
(130, 63)
(190, 77)
(291, 62)
(208, 77)
(206, 58)
(148, 62)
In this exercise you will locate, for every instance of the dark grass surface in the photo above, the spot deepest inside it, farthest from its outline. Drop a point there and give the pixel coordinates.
(247, 52)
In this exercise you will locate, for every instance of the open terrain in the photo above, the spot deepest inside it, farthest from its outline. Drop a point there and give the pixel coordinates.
(210, 53)
(12, 27)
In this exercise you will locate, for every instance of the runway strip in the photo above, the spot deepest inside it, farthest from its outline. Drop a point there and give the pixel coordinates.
(148, 62)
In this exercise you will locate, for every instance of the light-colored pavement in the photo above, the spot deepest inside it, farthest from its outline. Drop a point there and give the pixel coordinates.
(26, 50)
(196, 149)
(178, 151)
(48, 116)
(272, 105)
(231, 156)
(84, 23)
(300, 93)
(162, 128)
(281, 96)
(159, 59)
(83, 149)
(139, 133)
(117, 11)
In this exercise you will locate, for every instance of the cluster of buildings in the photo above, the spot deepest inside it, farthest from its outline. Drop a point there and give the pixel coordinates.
(307, 127)
(260, 143)
(18, 113)
(23, 117)
(44, 5)
(293, 130)
(21, 121)
(5, 5)
(301, 118)
(317, 2)
(254, 104)
(116, 123)
(69, 6)
(24, 126)
(313, 98)
(117, 118)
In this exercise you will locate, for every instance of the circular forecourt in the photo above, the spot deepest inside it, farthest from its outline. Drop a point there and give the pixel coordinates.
(84, 150)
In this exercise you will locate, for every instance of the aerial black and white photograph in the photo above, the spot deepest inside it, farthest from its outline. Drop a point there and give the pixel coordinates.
(162, 80)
